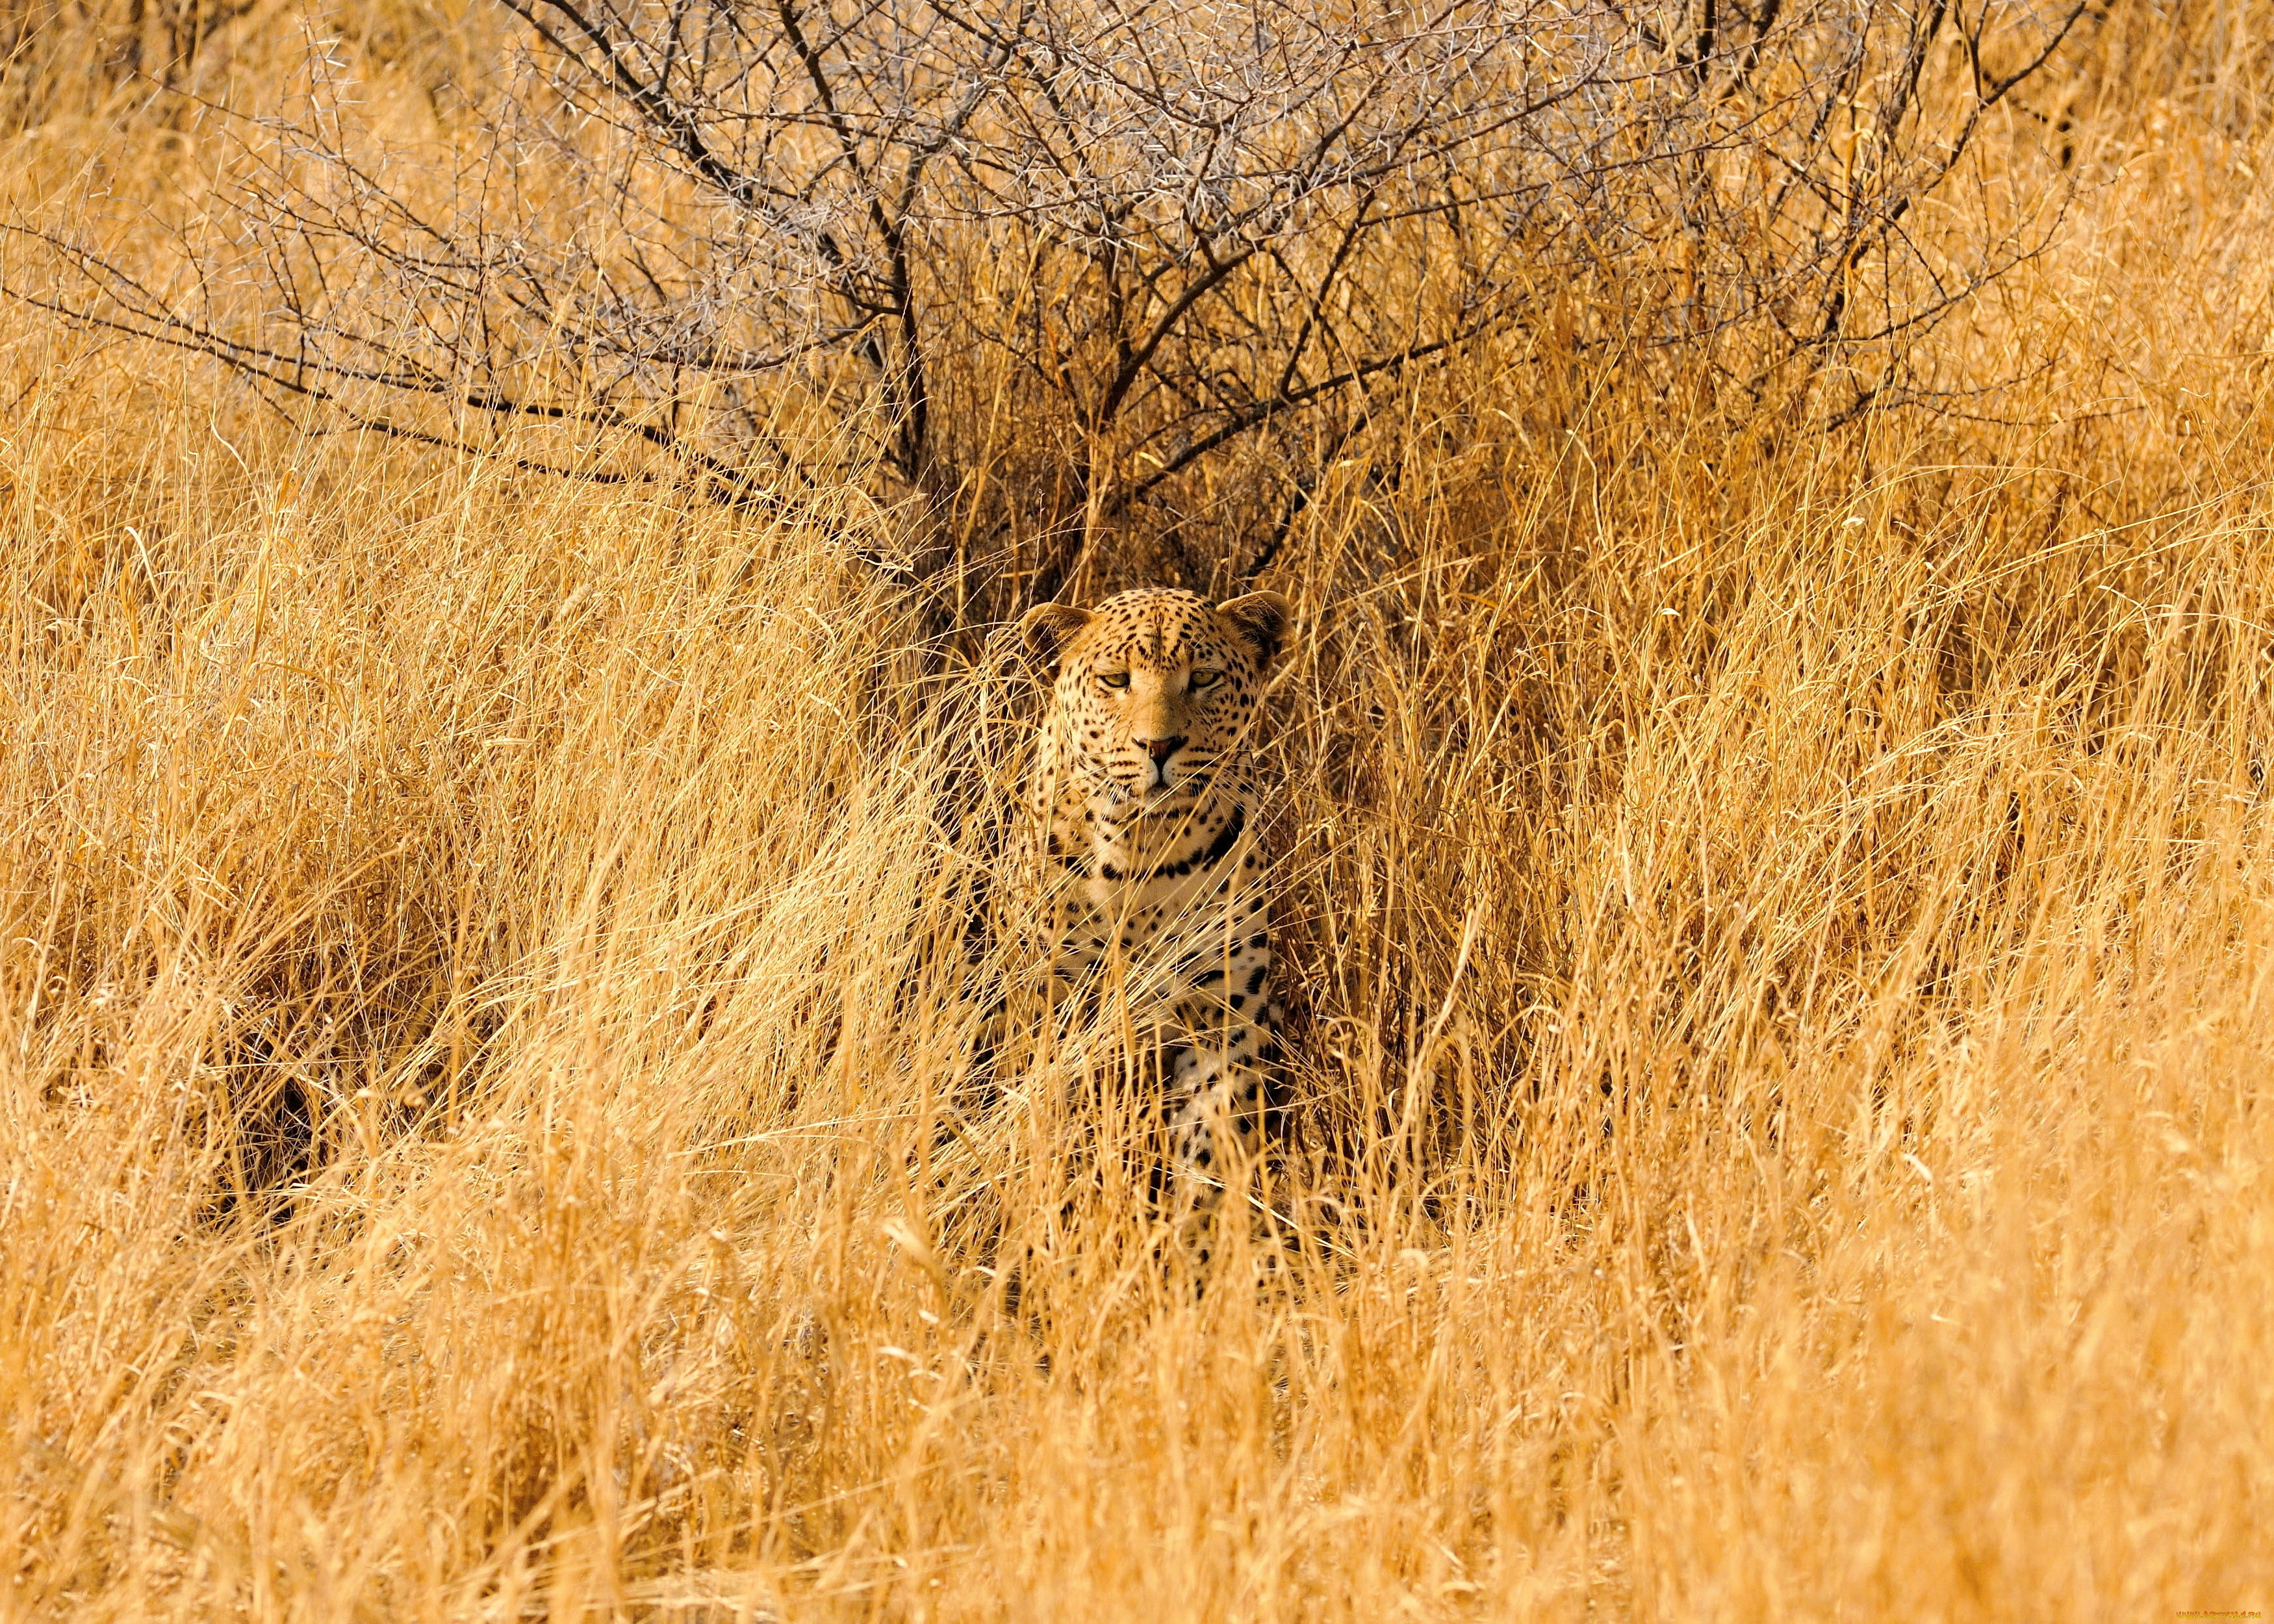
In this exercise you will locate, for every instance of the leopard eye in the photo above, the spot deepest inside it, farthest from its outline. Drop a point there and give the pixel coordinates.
(1205, 679)
(1114, 679)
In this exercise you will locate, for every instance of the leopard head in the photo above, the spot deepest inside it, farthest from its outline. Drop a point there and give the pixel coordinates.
(1156, 690)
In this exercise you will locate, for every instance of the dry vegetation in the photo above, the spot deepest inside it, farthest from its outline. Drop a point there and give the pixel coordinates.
(1785, 919)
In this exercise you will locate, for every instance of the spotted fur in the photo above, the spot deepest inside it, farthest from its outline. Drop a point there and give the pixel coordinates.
(1148, 819)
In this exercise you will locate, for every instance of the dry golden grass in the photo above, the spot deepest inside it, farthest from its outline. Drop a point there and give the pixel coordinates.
(1787, 939)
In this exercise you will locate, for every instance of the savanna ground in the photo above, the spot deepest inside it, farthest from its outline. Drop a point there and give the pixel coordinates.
(1783, 915)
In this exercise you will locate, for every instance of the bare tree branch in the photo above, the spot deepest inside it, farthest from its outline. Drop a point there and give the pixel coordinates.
(704, 232)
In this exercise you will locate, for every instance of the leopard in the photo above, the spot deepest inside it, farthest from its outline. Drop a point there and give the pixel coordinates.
(1147, 817)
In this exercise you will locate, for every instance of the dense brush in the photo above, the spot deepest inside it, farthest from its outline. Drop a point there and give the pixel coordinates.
(510, 1106)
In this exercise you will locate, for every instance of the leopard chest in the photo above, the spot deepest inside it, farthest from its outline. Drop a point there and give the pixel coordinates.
(1185, 908)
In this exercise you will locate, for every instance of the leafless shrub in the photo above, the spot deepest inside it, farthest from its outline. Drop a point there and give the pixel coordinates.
(1186, 251)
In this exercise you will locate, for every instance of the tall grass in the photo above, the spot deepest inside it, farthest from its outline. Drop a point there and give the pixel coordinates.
(1782, 931)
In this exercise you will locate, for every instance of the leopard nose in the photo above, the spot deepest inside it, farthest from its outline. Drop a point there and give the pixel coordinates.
(1161, 750)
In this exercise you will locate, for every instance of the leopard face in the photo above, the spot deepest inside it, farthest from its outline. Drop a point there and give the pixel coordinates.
(1157, 690)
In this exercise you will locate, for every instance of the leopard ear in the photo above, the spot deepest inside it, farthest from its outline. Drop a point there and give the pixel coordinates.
(1047, 628)
(1262, 618)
